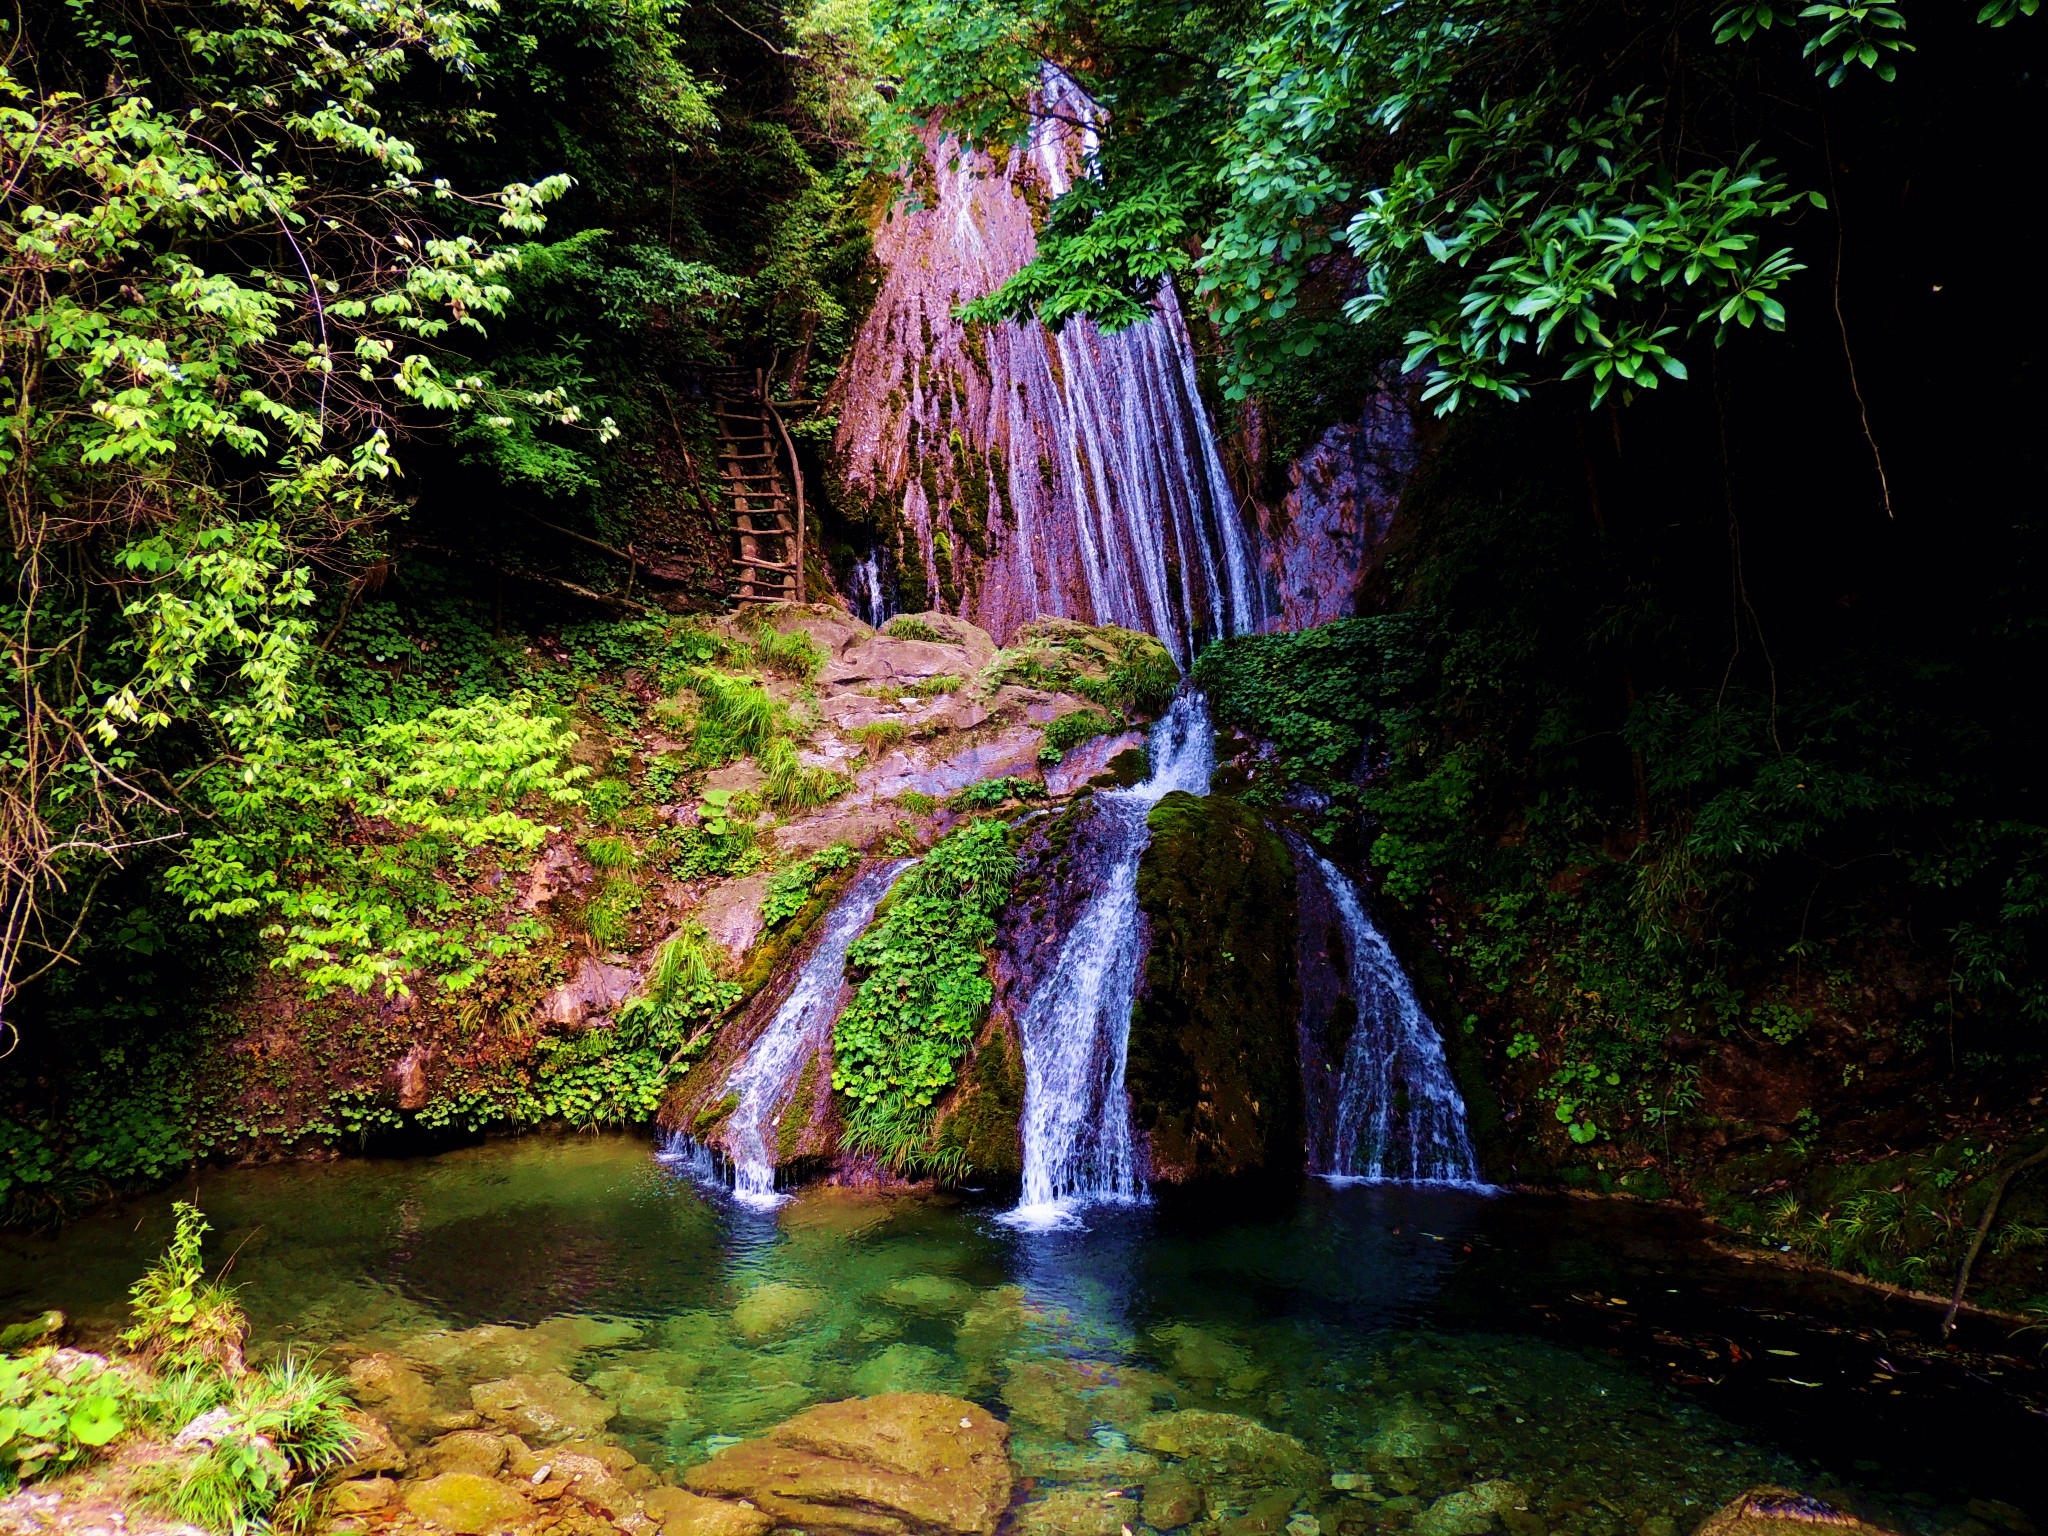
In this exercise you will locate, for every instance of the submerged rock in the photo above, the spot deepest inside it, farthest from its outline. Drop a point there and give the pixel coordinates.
(545, 1406)
(468, 1504)
(1076, 1512)
(1773, 1511)
(1171, 1501)
(902, 1464)
(1470, 1511)
(903, 1368)
(467, 1450)
(682, 1513)
(775, 1308)
(400, 1395)
(1232, 1448)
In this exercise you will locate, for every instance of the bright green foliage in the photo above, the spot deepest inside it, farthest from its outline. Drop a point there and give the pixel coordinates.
(790, 889)
(909, 627)
(200, 427)
(1522, 193)
(735, 717)
(285, 1425)
(54, 1415)
(791, 654)
(1068, 731)
(183, 1320)
(362, 911)
(992, 793)
(683, 989)
(791, 786)
(924, 989)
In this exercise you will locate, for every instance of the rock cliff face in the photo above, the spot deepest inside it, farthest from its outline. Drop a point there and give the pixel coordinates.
(1010, 471)
(1329, 530)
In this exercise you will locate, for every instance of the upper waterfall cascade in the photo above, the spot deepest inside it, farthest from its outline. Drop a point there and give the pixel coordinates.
(1037, 473)
(1382, 1104)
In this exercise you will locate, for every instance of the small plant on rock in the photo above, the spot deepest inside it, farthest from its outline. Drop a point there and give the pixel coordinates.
(182, 1319)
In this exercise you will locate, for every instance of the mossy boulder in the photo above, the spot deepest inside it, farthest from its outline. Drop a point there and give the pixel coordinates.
(981, 1123)
(468, 1504)
(1214, 1075)
(1119, 669)
(544, 1405)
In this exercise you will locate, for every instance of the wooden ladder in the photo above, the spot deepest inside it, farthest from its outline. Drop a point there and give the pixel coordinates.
(758, 462)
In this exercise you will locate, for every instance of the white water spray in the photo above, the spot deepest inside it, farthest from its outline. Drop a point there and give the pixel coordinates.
(1079, 1148)
(765, 1079)
(1394, 1112)
(867, 590)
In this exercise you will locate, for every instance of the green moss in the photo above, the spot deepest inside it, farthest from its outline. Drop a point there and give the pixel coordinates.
(981, 1131)
(1214, 1074)
(712, 1116)
(796, 1119)
(907, 626)
(1128, 767)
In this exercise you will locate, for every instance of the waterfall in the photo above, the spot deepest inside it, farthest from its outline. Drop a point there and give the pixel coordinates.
(766, 1077)
(1019, 472)
(867, 590)
(1078, 1144)
(1381, 1102)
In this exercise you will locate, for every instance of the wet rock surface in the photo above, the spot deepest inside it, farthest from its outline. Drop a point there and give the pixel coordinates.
(1214, 1073)
(915, 1463)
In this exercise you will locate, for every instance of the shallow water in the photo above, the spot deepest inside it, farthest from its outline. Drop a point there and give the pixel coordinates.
(1599, 1356)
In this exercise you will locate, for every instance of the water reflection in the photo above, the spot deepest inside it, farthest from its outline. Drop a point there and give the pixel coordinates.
(1602, 1358)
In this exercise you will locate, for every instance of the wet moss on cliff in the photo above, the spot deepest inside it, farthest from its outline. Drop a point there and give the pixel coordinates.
(1213, 1074)
(980, 1134)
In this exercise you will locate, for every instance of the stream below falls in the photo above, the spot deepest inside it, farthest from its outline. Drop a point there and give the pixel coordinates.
(1600, 1356)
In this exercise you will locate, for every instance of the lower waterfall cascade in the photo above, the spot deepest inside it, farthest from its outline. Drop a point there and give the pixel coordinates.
(1079, 1148)
(765, 1077)
(1385, 1108)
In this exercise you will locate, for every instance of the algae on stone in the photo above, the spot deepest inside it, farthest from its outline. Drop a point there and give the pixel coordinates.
(1214, 1072)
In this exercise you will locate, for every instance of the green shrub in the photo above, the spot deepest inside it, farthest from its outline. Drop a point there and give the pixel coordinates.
(1073, 728)
(793, 654)
(878, 736)
(793, 787)
(917, 802)
(182, 1319)
(924, 990)
(735, 718)
(990, 793)
(284, 1425)
(609, 853)
(907, 627)
(789, 889)
(53, 1416)
(683, 988)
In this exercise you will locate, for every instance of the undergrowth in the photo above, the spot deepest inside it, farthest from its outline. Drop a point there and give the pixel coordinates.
(923, 992)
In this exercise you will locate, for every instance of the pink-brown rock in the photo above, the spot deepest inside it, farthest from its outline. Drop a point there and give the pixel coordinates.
(901, 1464)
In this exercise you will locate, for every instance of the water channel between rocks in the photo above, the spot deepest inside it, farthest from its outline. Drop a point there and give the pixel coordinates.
(1602, 1359)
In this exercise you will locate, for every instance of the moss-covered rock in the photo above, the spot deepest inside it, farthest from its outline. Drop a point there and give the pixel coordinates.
(1213, 1075)
(981, 1125)
(467, 1504)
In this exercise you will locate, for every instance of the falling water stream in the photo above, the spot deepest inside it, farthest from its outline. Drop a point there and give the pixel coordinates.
(766, 1076)
(1078, 1144)
(1381, 1103)
(867, 589)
